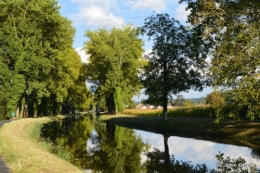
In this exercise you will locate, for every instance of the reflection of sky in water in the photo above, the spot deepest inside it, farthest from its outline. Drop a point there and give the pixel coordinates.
(88, 142)
(197, 151)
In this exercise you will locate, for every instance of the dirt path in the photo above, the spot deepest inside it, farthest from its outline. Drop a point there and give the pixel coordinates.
(3, 166)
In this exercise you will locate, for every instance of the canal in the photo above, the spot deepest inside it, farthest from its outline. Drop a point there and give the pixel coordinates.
(99, 147)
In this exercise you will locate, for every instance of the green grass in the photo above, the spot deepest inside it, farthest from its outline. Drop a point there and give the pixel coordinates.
(24, 153)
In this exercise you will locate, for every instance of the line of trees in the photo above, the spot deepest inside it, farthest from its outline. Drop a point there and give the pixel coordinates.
(42, 73)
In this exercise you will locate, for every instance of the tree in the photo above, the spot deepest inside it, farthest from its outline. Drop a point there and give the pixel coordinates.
(79, 97)
(215, 98)
(188, 103)
(235, 52)
(180, 100)
(176, 62)
(114, 63)
(36, 52)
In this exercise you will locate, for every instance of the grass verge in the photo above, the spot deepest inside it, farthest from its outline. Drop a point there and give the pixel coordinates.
(243, 133)
(21, 149)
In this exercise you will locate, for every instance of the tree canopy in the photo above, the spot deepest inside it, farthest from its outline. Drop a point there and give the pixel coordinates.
(233, 25)
(176, 62)
(114, 63)
(38, 61)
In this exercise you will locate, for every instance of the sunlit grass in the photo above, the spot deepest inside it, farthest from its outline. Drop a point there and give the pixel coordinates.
(196, 112)
(22, 151)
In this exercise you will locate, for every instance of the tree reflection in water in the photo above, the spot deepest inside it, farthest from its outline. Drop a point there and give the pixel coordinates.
(116, 149)
(69, 138)
(161, 162)
(255, 153)
(113, 149)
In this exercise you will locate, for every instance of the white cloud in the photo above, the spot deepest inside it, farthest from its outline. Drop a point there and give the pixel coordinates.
(156, 5)
(96, 16)
(84, 57)
(181, 13)
(97, 13)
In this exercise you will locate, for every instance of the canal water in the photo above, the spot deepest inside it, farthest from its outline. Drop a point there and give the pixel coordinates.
(101, 147)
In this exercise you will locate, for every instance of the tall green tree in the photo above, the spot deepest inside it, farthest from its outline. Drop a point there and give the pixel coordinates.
(114, 63)
(79, 96)
(176, 62)
(234, 27)
(36, 46)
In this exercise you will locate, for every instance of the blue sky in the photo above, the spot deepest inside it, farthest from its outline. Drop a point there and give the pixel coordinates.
(94, 14)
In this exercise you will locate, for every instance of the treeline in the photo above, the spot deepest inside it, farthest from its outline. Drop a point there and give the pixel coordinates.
(41, 74)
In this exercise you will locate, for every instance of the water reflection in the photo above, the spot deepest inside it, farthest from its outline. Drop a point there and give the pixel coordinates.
(71, 134)
(109, 148)
(116, 149)
(101, 147)
(199, 151)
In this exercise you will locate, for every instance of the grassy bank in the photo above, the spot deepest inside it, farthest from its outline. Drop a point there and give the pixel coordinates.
(245, 133)
(22, 151)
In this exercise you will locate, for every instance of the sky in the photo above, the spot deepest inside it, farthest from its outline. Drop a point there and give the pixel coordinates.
(94, 14)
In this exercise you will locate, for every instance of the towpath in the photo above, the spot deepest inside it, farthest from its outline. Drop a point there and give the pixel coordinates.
(3, 166)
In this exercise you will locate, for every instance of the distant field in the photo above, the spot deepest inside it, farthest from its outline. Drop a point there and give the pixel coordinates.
(142, 110)
(145, 110)
(196, 112)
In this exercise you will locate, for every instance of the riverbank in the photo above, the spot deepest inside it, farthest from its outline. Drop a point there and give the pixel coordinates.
(239, 133)
(22, 151)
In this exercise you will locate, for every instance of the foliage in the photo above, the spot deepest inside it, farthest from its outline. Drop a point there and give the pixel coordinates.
(38, 63)
(156, 163)
(118, 100)
(79, 96)
(224, 103)
(114, 63)
(179, 101)
(176, 62)
(235, 52)
(188, 103)
(227, 164)
(215, 98)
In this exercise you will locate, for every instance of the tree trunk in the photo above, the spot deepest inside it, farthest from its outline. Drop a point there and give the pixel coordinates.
(165, 102)
(166, 153)
(165, 91)
(111, 130)
(110, 103)
(31, 109)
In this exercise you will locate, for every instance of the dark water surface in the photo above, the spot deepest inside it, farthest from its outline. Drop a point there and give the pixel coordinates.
(96, 146)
